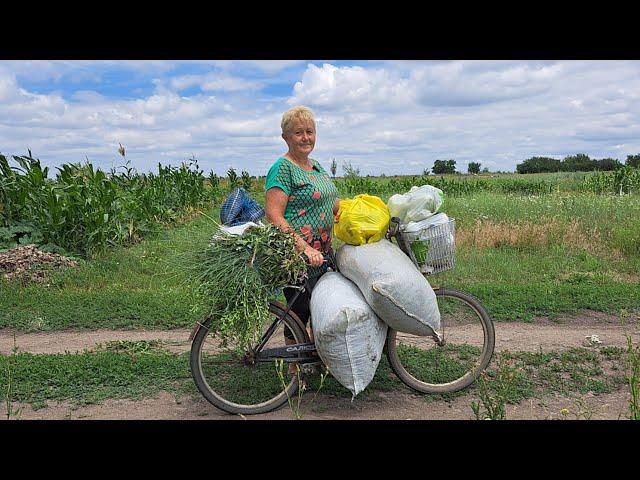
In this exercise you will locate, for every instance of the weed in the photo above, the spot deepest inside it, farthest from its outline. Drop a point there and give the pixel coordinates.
(632, 372)
(11, 412)
(294, 406)
(495, 392)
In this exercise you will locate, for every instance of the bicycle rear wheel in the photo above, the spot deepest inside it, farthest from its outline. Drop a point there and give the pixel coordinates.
(469, 340)
(230, 380)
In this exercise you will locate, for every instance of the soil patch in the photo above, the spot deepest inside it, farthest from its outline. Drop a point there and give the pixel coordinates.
(388, 406)
(543, 334)
(29, 262)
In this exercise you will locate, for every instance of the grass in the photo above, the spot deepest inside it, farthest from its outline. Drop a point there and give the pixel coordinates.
(588, 262)
(136, 370)
(142, 286)
(520, 283)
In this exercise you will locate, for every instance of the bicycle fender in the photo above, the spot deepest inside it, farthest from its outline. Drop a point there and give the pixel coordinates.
(195, 330)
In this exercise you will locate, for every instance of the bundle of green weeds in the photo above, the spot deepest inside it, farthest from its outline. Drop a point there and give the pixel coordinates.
(237, 275)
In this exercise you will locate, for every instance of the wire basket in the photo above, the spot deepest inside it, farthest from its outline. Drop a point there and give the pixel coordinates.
(434, 247)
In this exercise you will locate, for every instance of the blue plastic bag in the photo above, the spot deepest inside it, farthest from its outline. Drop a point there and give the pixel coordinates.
(240, 208)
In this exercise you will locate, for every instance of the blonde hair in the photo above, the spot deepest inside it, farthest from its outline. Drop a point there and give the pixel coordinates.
(296, 113)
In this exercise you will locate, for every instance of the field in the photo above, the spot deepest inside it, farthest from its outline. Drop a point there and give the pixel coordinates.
(555, 258)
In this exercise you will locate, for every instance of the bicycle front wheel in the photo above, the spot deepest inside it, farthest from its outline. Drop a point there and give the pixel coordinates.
(233, 381)
(457, 361)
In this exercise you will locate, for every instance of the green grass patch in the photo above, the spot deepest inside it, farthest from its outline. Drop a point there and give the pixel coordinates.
(94, 377)
(136, 370)
(520, 283)
(143, 286)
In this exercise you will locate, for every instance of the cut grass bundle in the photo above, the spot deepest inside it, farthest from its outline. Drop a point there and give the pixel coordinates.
(237, 275)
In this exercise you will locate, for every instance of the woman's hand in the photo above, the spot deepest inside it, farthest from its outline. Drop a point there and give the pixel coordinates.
(315, 257)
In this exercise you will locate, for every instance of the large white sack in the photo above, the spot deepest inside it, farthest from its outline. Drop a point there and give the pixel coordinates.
(392, 286)
(348, 335)
(415, 205)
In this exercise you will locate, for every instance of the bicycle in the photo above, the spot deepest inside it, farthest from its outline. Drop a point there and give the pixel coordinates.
(247, 382)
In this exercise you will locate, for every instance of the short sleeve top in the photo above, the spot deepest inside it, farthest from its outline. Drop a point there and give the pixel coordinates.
(311, 194)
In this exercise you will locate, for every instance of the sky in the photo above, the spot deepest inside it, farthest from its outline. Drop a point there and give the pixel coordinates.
(391, 117)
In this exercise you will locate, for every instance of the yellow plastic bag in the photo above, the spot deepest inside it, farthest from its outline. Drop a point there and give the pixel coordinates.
(362, 219)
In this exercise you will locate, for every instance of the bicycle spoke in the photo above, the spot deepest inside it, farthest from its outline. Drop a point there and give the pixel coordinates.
(234, 377)
(427, 365)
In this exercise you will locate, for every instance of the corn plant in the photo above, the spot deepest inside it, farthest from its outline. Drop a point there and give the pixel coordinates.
(232, 177)
(214, 185)
(84, 209)
(247, 182)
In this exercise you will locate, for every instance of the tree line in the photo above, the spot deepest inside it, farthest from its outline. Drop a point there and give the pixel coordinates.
(574, 163)
(571, 163)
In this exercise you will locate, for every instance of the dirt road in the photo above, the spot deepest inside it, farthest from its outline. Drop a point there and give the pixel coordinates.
(542, 334)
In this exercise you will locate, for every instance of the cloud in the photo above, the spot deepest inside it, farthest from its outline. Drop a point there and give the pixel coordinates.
(213, 82)
(350, 88)
(391, 117)
(427, 83)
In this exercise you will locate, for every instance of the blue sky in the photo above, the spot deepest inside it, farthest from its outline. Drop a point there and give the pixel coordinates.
(392, 117)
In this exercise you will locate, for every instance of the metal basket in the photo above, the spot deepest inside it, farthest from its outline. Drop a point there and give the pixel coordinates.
(434, 247)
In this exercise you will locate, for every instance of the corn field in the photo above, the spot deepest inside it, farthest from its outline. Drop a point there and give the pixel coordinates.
(625, 180)
(84, 209)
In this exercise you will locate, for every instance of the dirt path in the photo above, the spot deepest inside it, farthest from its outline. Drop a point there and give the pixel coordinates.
(398, 405)
(563, 333)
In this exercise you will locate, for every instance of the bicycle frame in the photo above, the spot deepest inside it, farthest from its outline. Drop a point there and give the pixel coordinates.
(290, 353)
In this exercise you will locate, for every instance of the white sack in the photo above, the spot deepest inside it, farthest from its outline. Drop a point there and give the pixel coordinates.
(415, 205)
(392, 286)
(348, 335)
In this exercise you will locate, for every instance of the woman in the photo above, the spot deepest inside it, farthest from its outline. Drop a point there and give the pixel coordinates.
(302, 199)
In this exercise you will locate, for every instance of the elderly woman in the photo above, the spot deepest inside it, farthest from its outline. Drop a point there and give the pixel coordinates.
(302, 199)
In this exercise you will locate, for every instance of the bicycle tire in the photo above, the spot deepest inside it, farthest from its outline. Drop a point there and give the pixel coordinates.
(444, 364)
(215, 394)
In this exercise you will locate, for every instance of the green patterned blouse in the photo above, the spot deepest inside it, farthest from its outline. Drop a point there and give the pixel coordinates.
(310, 207)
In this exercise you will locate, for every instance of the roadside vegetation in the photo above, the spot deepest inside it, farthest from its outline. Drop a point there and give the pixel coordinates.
(536, 245)
(136, 370)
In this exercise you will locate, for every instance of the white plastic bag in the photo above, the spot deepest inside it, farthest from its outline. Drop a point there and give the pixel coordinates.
(439, 242)
(433, 220)
(392, 286)
(239, 229)
(348, 335)
(415, 205)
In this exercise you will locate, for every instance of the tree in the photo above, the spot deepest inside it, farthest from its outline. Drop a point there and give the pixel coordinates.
(538, 165)
(633, 160)
(334, 167)
(474, 167)
(443, 166)
(608, 164)
(349, 170)
(578, 163)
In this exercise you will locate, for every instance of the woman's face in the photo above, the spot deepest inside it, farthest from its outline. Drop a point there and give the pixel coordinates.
(301, 137)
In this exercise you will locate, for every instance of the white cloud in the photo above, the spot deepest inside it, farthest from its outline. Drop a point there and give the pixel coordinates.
(350, 88)
(213, 82)
(392, 117)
